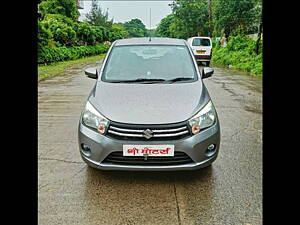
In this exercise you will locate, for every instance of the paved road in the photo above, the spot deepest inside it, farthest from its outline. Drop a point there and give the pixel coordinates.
(230, 192)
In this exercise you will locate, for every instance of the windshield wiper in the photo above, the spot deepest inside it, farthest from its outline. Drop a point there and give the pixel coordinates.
(179, 79)
(139, 80)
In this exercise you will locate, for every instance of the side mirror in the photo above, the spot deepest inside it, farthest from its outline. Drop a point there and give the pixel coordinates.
(207, 72)
(91, 72)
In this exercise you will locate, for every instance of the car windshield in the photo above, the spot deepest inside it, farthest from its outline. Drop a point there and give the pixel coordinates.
(201, 42)
(156, 63)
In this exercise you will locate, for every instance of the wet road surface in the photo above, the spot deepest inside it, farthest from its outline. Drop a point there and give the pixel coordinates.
(229, 192)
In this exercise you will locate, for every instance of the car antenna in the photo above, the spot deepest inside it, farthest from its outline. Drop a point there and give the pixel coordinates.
(150, 27)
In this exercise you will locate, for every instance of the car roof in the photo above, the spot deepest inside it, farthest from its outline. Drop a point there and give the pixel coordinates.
(146, 41)
(200, 37)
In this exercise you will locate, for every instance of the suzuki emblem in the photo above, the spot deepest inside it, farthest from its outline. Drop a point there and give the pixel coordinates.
(148, 133)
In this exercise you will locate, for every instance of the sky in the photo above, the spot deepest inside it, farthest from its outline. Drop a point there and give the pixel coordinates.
(123, 11)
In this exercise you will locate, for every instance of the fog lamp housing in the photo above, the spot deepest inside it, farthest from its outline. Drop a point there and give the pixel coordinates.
(211, 149)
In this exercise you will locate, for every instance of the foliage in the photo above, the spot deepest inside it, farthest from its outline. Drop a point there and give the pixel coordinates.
(66, 32)
(60, 18)
(99, 34)
(118, 32)
(61, 32)
(58, 30)
(62, 37)
(163, 28)
(239, 53)
(135, 28)
(67, 8)
(44, 35)
(191, 18)
(235, 17)
(48, 54)
(211, 18)
(86, 33)
(97, 17)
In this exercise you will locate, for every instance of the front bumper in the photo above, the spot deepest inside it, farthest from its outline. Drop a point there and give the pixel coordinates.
(202, 58)
(194, 146)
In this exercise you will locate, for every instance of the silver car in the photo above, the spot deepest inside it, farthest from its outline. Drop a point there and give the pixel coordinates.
(149, 109)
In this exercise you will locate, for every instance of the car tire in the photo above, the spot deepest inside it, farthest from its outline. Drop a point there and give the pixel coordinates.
(207, 63)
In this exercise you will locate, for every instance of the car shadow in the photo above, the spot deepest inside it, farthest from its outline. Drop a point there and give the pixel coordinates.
(199, 175)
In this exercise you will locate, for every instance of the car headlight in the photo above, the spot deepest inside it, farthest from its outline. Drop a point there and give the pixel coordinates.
(92, 118)
(204, 118)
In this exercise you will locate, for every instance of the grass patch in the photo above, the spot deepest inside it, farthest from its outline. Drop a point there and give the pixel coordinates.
(59, 68)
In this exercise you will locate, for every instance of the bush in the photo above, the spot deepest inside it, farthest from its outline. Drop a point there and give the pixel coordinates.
(63, 33)
(44, 35)
(60, 18)
(86, 33)
(240, 54)
(61, 28)
(48, 54)
(117, 32)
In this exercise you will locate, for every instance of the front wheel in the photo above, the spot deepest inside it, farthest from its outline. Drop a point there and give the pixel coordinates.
(207, 63)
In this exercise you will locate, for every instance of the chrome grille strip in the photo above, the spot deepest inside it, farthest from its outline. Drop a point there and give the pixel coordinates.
(125, 130)
(171, 135)
(154, 135)
(170, 130)
(136, 132)
(125, 134)
(141, 131)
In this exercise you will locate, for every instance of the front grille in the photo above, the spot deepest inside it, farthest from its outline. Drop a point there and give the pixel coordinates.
(118, 158)
(158, 132)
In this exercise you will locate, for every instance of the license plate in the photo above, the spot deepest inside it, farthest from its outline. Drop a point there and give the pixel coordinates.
(200, 52)
(148, 150)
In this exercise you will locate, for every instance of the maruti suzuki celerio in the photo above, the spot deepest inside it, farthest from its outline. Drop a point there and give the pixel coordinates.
(149, 109)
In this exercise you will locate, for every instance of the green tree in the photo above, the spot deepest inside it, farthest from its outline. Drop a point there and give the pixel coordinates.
(67, 8)
(118, 32)
(97, 17)
(135, 28)
(234, 17)
(191, 18)
(164, 27)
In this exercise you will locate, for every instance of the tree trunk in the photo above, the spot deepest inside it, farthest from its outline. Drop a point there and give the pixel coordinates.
(209, 19)
(227, 33)
(258, 38)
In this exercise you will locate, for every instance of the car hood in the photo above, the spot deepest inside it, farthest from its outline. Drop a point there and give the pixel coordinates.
(148, 103)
